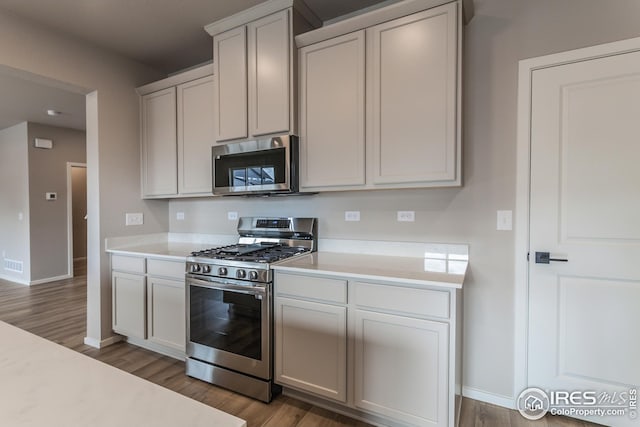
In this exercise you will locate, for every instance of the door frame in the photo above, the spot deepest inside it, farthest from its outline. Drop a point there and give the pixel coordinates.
(523, 174)
(70, 166)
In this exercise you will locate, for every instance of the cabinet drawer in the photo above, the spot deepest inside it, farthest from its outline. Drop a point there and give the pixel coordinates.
(311, 287)
(164, 268)
(410, 301)
(128, 263)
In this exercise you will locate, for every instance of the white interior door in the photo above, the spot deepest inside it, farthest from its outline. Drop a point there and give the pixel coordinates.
(584, 314)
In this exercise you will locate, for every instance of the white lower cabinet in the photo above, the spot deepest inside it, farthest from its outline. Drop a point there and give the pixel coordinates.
(383, 351)
(401, 367)
(148, 300)
(166, 312)
(128, 305)
(311, 340)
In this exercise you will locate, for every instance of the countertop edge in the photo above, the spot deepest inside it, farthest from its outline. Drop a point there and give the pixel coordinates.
(146, 254)
(457, 283)
(389, 279)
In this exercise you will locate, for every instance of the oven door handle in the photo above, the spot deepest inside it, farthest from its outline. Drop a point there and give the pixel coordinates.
(249, 290)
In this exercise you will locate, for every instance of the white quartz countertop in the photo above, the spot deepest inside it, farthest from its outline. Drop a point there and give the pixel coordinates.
(45, 384)
(165, 250)
(444, 271)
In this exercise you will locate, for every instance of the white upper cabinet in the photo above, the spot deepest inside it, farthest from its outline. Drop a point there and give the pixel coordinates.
(177, 134)
(255, 69)
(412, 88)
(159, 164)
(411, 103)
(269, 81)
(195, 136)
(230, 62)
(332, 111)
(252, 63)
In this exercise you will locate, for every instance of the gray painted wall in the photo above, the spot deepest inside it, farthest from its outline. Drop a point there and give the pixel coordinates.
(48, 218)
(113, 153)
(502, 33)
(14, 200)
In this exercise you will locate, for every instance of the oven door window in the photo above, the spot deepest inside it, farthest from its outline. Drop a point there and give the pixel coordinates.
(226, 320)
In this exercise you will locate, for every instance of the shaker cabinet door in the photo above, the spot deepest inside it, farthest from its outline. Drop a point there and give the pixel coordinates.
(166, 312)
(128, 305)
(159, 163)
(412, 87)
(332, 112)
(311, 347)
(195, 136)
(230, 63)
(401, 368)
(269, 68)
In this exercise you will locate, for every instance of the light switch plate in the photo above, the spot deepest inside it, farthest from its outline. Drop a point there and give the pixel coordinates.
(352, 215)
(232, 216)
(180, 216)
(504, 220)
(134, 219)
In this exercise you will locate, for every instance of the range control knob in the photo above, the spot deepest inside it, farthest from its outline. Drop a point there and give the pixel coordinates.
(222, 271)
(195, 268)
(206, 269)
(253, 275)
(241, 274)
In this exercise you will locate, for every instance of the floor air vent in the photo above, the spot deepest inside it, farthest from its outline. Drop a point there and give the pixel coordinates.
(12, 265)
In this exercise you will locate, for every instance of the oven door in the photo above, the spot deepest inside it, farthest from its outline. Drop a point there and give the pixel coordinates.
(229, 325)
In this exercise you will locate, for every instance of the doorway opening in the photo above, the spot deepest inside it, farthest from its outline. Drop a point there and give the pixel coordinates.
(77, 218)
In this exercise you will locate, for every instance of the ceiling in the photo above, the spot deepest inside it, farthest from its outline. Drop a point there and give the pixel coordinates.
(24, 100)
(167, 35)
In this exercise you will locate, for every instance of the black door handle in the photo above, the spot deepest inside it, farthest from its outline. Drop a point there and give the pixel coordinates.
(545, 258)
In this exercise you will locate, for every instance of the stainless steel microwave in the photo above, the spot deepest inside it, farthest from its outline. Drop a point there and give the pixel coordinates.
(260, 167)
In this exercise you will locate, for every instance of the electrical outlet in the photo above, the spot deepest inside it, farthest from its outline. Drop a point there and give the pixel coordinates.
(232, 216)
(352, 215)
(134, 219)
(406, 216)
(180, 216)
(504, 220)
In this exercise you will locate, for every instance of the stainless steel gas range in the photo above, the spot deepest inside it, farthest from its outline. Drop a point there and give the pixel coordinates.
(230, 304)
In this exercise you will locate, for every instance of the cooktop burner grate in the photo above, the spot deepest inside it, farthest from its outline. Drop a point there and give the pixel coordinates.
(258, 252)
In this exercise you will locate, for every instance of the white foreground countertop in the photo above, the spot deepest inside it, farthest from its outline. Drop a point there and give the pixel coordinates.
(442, 271)
(46, 384)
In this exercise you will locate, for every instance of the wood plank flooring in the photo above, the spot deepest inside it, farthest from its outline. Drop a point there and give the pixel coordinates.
(57, 311)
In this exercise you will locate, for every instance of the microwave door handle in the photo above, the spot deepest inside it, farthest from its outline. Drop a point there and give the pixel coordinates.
(248, 290)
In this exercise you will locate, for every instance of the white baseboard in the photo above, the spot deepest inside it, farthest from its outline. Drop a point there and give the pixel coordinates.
(96, 343)
(14, 280)
(484, 396)
(50, 279)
